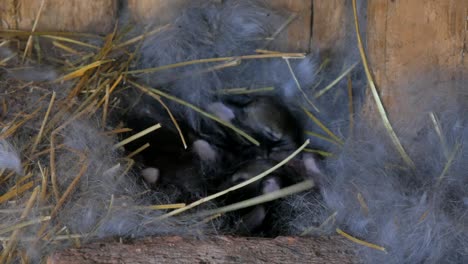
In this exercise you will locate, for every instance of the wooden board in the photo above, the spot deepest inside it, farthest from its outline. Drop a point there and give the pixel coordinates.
(59, 15)
(100, 16)
(411, 41)
(155, 11)
(295, 38)
(330, 23)
(219, 249)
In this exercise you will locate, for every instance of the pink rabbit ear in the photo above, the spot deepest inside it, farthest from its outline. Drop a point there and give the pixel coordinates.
(204, 150)
(310, 164)
(150, 175)
(221, 111)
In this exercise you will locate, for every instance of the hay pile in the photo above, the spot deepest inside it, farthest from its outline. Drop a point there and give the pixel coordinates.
(66, 178)
(70, 166)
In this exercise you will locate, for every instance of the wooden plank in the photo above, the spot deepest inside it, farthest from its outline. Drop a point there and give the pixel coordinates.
(330, 23)
(8, 14)
(219, 249)
(60, 15)
(410, 40)
(295, 38)
(155, 11)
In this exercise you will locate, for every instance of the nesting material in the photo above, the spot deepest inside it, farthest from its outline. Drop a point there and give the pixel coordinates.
(202, 127)
(77, 183)
(416, 214)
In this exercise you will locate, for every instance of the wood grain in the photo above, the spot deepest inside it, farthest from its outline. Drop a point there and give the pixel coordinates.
(295, 38)
(155, 11)
(331, 22)
(217, 249)
(410, 40)
(59, 15)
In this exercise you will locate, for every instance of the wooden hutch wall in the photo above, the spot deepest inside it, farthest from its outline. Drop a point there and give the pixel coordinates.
(404, 37)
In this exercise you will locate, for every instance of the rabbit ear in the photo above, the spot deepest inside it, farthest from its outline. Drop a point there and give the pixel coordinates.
(205, 151)
(150, 175)
(222, 111)
(310, 164)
